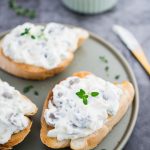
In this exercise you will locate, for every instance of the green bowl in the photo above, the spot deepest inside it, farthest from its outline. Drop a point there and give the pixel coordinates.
(89, 6)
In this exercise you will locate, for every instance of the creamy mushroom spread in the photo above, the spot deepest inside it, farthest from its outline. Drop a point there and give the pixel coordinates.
(12, 111)
(70, 117)
(41, 46)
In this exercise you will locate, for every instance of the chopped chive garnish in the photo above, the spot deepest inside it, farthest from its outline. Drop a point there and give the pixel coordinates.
(32, 36)
(26, 31)
(27, 88)
(103, 59)
(117, 77)
(19, 10)
(106, 68)
(36, 93)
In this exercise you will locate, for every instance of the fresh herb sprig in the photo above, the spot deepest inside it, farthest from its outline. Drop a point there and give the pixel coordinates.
(27, 32)
(84, 96)
(19, 10)
(28, 88)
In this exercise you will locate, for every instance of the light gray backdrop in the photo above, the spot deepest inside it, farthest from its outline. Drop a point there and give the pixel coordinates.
(133, 14)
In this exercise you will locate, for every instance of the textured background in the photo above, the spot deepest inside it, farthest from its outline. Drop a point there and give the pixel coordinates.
(133, 14)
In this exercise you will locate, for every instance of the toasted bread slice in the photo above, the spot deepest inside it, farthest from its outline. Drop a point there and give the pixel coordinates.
(94, 139)
(33, 72)
(20, 136)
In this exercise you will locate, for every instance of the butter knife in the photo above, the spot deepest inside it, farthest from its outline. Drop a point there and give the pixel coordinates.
(132, 44)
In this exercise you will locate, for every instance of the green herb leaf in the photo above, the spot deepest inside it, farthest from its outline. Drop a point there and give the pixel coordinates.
(86, 96)
(12, 4)
(81, 94)
(26, 31)
(103, 59)
(36, 93)
(94, 94)
(82, 91)
(117, 77)
(106, 68)
(32, 36)
(19, 10)
(27, 88)
(85, 101)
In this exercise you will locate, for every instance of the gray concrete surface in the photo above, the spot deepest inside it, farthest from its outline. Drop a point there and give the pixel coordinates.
(133, 14)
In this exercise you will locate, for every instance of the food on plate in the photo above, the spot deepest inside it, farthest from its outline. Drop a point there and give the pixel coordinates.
(15, 110)
(39, 51)
(82, 109)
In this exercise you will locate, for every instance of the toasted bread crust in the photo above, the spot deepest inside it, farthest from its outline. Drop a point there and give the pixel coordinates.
(94, 139)
(29, 71)
(33, 72)
(17, 138)
(54, 143)
(20, 136)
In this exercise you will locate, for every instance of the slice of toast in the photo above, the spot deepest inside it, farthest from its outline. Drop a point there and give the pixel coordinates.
(20, 136)
(33, 72)
(94, 139)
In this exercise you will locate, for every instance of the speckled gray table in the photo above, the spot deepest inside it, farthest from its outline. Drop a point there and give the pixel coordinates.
(133, 14)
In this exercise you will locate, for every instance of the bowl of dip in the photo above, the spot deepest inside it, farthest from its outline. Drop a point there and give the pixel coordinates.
(90, 6)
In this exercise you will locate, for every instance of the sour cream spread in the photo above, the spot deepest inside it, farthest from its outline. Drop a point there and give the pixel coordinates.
(41, 46)
(12, 111)
(70, 117)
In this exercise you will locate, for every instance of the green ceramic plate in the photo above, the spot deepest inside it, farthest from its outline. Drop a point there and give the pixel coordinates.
(86, 58)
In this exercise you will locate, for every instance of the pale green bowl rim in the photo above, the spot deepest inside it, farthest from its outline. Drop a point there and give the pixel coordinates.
(73, 9)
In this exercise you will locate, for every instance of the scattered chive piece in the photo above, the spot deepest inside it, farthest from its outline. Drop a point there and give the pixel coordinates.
(19, 10)
(117, 77)
(106, 68)
(94, 94)
(26, 31)
(36, 93)
(27, 88)
(103, 59)
(32, 36)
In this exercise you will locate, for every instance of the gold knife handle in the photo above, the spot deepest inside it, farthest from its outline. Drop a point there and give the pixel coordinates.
(139, 54)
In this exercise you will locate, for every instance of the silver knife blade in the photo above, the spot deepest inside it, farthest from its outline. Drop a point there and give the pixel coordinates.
(127, 37)
(133, 45)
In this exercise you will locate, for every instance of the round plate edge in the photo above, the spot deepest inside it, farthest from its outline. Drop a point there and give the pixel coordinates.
(125, 138)
(118, 54)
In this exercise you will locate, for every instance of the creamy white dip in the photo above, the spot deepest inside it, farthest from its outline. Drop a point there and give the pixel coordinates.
(12, 111)
(41, 46)
(70, 117)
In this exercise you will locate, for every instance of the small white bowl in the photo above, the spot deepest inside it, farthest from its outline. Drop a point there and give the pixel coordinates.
(90, 6)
